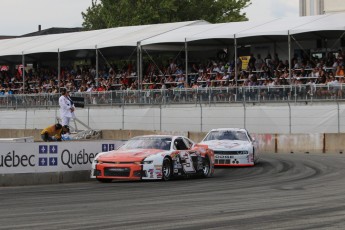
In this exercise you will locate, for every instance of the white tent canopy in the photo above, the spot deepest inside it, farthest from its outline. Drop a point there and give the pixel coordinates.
(327, 23)
(279, 27)
(172, 33)
(274, 27)
(120, 36)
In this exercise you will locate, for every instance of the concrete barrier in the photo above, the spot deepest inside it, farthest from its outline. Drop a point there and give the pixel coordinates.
(334, 143)
(16, 133)
(276, 143)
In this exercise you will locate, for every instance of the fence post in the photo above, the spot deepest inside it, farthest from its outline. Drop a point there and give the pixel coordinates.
(160, 117)
(88, 116)
(200, 116)
(244, 114)
(289, 117)
(338, 117)
(26, 117)
(123, 117)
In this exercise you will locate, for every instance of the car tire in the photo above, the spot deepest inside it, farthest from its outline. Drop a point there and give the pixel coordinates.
(166, 169)
(104, 180)
(206, 168)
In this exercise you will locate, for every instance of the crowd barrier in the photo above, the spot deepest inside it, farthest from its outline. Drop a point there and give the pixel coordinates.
(206, 95)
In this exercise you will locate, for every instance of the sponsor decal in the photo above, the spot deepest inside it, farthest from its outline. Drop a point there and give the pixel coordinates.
(159, 173)
(150, 171)
(11, 159)
(70, 159)
(43, 149)
(43, 161)
(53, 161)
(223, 156)
(108, 147)
(235, 161)
(105, 147)
(53, 149)
(49, 157)
(48, 160)
(118, 169)
(111, 147)
(224, 144)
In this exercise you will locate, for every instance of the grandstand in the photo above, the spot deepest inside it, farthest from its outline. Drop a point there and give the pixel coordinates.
(197, 64)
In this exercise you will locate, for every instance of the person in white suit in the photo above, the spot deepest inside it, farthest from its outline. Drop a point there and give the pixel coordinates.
(66, 107)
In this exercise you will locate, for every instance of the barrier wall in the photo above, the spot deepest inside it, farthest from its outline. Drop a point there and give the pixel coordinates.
(288, 118)
(49, 162)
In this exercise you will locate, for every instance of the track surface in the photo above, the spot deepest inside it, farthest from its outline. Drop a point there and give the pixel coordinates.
(284, 191)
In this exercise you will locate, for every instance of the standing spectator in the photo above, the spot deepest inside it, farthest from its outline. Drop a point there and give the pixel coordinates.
(259, 62)
(66, 107)
(251, 62)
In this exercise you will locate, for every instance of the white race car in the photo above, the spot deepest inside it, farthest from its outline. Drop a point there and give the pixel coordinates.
(232, 147)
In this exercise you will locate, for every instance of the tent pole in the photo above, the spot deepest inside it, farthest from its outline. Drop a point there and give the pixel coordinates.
(186, 58)
(23, 71)
(138, 65)
(235, 47)
(59, 70)
(140, 70)
(96, 66)
(289, 50)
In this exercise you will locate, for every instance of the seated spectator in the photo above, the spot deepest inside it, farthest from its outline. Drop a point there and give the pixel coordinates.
(340, 71)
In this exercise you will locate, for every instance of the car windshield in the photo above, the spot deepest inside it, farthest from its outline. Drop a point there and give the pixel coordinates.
(163, 143)
(226, 135)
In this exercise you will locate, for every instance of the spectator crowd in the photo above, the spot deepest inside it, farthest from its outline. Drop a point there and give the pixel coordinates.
(257, 71)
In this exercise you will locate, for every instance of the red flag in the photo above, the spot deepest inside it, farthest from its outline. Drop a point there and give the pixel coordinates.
(20, 69)
(4, 68)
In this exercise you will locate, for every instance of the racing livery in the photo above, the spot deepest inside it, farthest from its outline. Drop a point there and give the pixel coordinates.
(232, 147)
(154, 157)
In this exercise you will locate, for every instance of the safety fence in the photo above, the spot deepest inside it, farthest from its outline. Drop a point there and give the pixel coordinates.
(205, 95)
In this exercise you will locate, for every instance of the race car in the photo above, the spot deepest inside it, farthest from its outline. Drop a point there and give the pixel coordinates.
(154, 157)
(232, 147)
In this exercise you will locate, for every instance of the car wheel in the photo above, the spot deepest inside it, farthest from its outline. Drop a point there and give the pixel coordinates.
(104, 180)
(206, 167)
(166, 169)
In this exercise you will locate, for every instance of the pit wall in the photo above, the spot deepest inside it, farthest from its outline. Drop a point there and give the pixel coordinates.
(269, 143)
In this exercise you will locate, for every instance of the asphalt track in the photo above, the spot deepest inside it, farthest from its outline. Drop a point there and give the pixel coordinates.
(284, 191)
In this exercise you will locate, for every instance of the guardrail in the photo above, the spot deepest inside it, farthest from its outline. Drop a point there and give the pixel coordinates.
(205, 95)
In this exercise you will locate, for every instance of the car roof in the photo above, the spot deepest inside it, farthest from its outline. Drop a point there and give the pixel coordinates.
(159, 135)
(228, 129)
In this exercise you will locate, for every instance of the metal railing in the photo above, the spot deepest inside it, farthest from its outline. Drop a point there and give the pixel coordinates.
(208, 95)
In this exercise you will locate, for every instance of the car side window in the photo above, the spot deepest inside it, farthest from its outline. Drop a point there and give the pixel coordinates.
(179, 144)
(188, 142)
(250, 137)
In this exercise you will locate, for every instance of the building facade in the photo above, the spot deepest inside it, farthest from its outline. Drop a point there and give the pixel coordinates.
(317, 7)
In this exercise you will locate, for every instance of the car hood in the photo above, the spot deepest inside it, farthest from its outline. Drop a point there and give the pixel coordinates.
(128, 155)
(226, 144)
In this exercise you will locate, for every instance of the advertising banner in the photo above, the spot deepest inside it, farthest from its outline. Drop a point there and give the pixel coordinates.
(52, 156)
